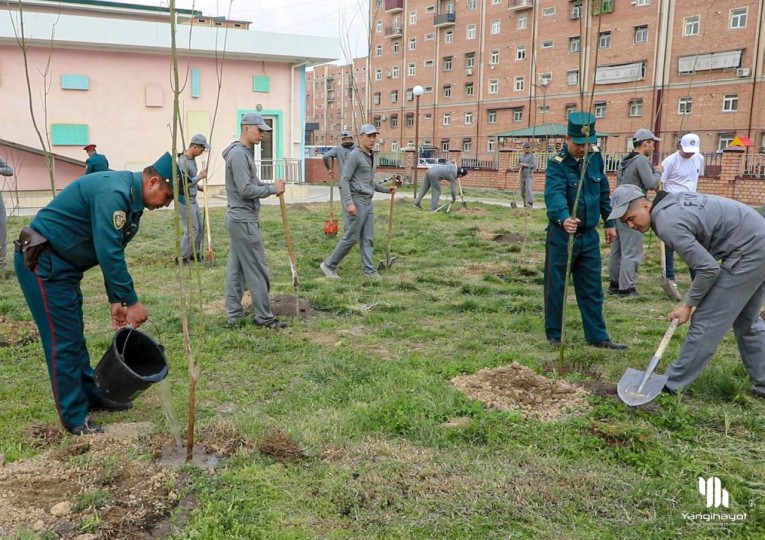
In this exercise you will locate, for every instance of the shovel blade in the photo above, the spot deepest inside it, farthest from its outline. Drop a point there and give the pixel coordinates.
(385, 264)
(670, 289)
(630, 383)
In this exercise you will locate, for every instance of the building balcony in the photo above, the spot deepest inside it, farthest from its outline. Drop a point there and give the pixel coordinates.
(394, 31)
(444, 19)
(517, 5)
(394, 6)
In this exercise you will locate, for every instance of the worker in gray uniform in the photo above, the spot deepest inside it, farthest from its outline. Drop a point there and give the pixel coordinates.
(340, 154)
(247, 265)
(357, 186)
(191, 243)
(433, 177)
(705, 229)
(627, 250)
(527, 164)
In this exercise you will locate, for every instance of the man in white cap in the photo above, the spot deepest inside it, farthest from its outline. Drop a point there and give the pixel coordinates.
(705, 229)
(527, 164)
(681, 173)
(627, 250)
(340, 153)
(191, 215)
(247, 265)
(357, 186)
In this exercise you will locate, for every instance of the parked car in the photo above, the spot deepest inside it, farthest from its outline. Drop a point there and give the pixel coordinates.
(426, 163)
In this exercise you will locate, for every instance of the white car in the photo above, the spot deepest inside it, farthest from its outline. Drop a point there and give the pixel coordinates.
(426, 163)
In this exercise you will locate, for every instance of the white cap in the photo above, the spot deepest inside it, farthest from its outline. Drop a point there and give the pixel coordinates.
(690, 143)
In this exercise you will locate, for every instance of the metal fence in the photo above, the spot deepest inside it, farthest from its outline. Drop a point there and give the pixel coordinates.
(289, 169)
(754, 165)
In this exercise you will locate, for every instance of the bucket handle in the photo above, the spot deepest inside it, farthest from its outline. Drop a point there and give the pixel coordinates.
(156, 329)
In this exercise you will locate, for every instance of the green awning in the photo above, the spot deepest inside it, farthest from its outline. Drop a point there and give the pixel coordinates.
(542, 130)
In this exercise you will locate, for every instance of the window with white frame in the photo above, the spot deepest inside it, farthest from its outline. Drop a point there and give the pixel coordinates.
(394, 121)
(738, 18)
(379, 3)
(572, 77)
(641, 34)
(430, 9)
(496, 2)
(447, 63)
(412, 43)
(570, 109)
(494, 57)
(470, 32)
(378, 27)
(547, 12)
(724, 140)
(444, 145)
(730, 103)
(446, 119)
(378, 74)
(493, 86)
(491, 117)
(377, 98)
(430, 37)
(491, 144)
(471, 5)
(395, 46)
(447, 90)
(394, 72)
(378, 50)
(410, 120)
(411, 70)
(691, 25)
(412, 17)
(574, 44)
(394, 96)
(394, 144)
(468, 118)
(428, 63)
(467, 145)
(496, 26)
(604, 40)
(448, 36)
(547, 44)
(543, 109)
(517, 115)
(600, 110)
(576, 10)
(523, 22)
(520, 52)
(469, 89)
(636, 107)
(519, 82)
(643, 2)
(469, 60)
(410, 94)
(684, 105)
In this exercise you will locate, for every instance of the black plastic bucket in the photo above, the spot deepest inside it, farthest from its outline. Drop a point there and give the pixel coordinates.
(132, 363)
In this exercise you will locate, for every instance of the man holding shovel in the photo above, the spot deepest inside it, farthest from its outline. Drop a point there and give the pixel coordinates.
(627, 250)
(191, 243)
(357, 186)
(433, 177)
(705, 229)
(527, 164)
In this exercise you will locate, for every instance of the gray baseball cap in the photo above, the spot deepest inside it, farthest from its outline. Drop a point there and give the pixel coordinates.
(621, 199)
(645, 135)
(345, 133)
(254, 119)
(200, 140)
(368, 129)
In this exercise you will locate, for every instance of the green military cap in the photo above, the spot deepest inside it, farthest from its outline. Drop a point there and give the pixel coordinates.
(581, 127)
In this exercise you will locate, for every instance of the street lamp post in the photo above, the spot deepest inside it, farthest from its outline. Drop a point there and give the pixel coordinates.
(417, 91)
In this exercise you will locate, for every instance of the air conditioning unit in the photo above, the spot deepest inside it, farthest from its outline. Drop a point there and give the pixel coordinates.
(384, 117)
(742, 72)
(388, 74)
(469, 72)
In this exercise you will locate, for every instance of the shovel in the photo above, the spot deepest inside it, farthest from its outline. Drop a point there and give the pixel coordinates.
(330, 225)
(639, 387)
(666, 283)
(459, 184)
(513, 204)
(290, 246)
(388, 261)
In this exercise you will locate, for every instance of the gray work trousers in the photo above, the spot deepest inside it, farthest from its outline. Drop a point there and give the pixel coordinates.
(194, 231)
(361, 229)
(247, 267)
(527, 189)
(734, 300)
(435, 194)
(3, 231)
(626, 256)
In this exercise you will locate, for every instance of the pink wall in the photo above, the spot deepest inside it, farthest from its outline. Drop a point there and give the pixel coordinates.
(31, 171)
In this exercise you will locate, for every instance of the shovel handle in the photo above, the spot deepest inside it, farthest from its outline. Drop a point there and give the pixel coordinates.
(659, 352)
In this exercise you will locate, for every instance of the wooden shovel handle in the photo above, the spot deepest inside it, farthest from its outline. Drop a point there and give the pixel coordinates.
(666, 338)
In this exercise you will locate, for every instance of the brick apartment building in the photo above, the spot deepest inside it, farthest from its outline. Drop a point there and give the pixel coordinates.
(490, 67)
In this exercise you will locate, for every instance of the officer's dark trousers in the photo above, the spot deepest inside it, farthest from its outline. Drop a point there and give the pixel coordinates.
(585, 268)
(54, 296)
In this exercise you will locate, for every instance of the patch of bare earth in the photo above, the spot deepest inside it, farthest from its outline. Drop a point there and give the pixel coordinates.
(17, 333)
(519, 389)
(289, 305)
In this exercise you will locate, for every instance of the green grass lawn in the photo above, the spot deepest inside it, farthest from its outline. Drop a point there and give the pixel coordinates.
(363, 387)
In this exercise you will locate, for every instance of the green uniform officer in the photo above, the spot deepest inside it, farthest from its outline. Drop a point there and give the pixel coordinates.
(88, 224)
(564, 172)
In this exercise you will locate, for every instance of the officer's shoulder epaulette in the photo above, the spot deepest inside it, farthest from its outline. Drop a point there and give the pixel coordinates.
(595, 148)
(559, 157)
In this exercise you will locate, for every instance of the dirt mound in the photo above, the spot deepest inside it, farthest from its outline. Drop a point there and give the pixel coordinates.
(517, 388)
(17, 333)
(287, 305)
(508, 238)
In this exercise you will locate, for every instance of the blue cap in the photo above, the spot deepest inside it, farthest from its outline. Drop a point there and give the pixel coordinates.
(581, 127)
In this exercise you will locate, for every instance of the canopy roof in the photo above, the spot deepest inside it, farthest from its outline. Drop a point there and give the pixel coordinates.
(542, 130)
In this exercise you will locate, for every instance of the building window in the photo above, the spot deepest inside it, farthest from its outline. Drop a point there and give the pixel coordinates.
(467, 145)
(496, 2)
(570, 109)
(378, 74)
(447, 63)
(430, 37)
(445, 145)
(409, 120)
(495, 27)
(394, 72)
(396, 46)
(520, 52)
(604, 41)
(494, 58)
(548, 44)
(449, 36)
(574, 44)
(410, 94)
(576, 10)
(730, 102)
(412, 44)
(377, 98)
(724, 140)
(469, 89)
(548, 12)
(643, 2)
(411, 70)
(428, 63)
(600, 110)
(491, 117)
(470, 31)
(572, 77)
(518, 115)
(394, 121)
(378, 27)
(523, 22)
(519, 83)
(468, 118)
(412, 17)
(377, 122)
(447, 119)
(738, 18)
(641, 34)
(469, 60)
(636, 107)
(447, 90)
(471, 5)
(491, 145)
(493, 86)
(378, 50)
(685, 105)
(394, 96)
(691, 25)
